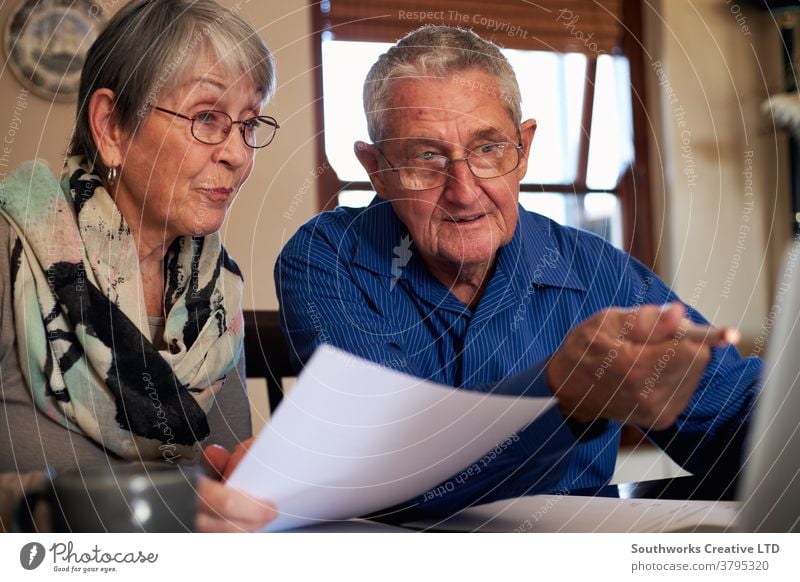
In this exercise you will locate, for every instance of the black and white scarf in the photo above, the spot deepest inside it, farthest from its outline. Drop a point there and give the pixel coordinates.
(82, 328)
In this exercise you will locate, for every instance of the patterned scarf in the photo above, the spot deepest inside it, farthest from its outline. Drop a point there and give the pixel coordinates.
(82, 330)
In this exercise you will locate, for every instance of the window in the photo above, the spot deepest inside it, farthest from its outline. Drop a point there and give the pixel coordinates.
(583, 155)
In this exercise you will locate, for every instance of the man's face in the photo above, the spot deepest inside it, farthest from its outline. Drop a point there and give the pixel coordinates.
(460, 225)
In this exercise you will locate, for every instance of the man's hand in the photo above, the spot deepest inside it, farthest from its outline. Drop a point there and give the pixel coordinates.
(637, 366)
(221, 508)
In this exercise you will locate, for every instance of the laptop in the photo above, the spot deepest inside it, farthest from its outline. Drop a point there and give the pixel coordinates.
(770, 489)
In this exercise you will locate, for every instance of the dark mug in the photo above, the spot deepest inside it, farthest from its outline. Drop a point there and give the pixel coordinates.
(138, 497)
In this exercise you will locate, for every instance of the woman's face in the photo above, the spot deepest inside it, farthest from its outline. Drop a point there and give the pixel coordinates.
(171, 184)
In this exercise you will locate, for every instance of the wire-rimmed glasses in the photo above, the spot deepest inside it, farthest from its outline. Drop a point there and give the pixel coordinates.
(212, 127)
(430, 170)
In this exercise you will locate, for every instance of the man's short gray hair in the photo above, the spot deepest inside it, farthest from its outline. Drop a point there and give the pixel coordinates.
(435, 51)
(147, 49)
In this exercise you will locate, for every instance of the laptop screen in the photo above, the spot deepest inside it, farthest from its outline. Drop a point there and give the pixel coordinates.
(770, 491)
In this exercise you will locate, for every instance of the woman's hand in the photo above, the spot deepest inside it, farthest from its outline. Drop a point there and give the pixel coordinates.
(221, 508)
(221, 463)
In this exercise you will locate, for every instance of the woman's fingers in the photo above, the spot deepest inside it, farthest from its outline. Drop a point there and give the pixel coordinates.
(216, 459)
(222, 508)
(238, 454)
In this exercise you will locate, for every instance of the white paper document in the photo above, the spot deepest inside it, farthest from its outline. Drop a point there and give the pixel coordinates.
(353, 437)
(574, 514)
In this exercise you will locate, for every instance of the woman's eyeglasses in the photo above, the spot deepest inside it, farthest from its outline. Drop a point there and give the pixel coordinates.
(212, 127)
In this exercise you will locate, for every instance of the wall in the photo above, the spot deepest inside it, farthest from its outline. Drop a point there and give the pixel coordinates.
(274, 203)
(721, 196)
(278, 199)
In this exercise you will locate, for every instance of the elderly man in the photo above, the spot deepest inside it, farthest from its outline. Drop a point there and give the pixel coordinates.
(445, 277)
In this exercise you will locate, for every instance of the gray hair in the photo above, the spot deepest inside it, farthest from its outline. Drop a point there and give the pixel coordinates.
(435, 51)
(149, 46)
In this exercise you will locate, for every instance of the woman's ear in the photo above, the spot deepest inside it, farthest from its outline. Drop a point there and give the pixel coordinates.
(106, 132)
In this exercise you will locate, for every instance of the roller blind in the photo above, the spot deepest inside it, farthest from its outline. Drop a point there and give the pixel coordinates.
(587, 26)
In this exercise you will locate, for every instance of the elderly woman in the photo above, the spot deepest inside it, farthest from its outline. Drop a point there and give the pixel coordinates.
(121, 333)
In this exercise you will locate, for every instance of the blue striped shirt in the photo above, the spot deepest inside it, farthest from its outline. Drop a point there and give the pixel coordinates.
(352, 278)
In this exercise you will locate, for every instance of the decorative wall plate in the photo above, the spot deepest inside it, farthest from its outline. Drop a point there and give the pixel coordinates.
(46, 42)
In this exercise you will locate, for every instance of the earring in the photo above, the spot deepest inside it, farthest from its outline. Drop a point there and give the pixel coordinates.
(111, 177)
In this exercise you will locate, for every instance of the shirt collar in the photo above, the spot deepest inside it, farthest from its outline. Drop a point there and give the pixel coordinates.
(537, 256)
(534, 256)
(383, 245)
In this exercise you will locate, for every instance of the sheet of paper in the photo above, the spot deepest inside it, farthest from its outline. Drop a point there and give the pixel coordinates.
(353, 437)
(566, 513)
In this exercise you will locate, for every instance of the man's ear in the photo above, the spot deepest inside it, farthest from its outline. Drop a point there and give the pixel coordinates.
(106, 132)
(526, 131)
(369, 157)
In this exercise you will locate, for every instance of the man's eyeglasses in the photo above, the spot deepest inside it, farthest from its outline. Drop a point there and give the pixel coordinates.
(212, 127)
(430, 170)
